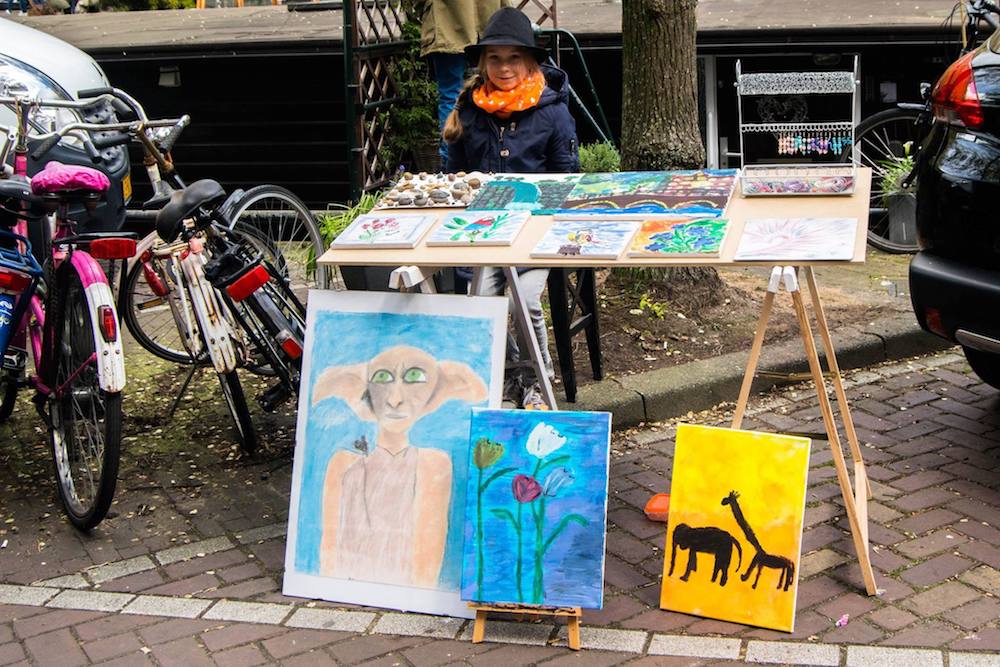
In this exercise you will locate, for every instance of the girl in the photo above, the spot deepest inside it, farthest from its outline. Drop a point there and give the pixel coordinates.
(513, 117)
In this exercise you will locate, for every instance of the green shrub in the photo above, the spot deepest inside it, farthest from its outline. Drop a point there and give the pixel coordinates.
(602, 157)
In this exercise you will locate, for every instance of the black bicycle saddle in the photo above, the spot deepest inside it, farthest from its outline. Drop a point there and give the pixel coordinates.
(16, 189)
(184, 203)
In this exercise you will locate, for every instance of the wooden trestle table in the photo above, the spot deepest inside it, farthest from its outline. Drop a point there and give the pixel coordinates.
(415, 268)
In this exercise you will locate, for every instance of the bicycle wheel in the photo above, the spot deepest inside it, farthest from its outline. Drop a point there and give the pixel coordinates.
(883, 140)
(285, 223)
(237, 402)
(149, 317)
(86, 422)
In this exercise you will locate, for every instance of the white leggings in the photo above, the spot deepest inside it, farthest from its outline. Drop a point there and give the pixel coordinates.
(531, 284)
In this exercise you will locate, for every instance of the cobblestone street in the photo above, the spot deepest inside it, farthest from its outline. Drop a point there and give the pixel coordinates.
(188, 570)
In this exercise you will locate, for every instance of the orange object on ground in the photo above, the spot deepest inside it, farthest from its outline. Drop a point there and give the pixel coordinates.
(658, 507)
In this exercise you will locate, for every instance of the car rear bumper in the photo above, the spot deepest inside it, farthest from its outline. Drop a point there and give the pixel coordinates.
(956, 300)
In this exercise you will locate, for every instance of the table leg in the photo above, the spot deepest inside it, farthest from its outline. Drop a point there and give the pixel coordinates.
(559, 308)
(522, 320)
(755, 348)
(838, 384)
(854, 514)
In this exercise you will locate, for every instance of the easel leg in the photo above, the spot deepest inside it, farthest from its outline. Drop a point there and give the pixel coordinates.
(479, 626)
(758, 343)
(522, 319)
(838, 385)
(573, 632)
(858, 532)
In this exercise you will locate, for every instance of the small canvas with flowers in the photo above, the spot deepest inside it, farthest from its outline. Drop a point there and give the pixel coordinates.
(681, 237)
(384, 230)
(536, 507)
(497, 228)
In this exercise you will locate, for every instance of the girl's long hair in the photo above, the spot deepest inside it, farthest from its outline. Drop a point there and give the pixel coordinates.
(452, 130)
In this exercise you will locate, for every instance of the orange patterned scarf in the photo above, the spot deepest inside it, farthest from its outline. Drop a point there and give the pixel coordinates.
(502, 103)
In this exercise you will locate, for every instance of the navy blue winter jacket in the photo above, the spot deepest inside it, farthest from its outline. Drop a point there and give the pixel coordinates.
(537, 140)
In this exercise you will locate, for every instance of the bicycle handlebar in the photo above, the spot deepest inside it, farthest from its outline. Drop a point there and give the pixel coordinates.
(168, 141)
(124, 131)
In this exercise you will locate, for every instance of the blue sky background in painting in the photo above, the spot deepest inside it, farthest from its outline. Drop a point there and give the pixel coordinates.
(343, 338)
(574, 565)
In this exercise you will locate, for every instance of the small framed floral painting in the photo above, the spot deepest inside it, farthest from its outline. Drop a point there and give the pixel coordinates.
(384, 230)
(536, 506)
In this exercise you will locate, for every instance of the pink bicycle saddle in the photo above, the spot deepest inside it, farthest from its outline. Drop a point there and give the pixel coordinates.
(58, 177)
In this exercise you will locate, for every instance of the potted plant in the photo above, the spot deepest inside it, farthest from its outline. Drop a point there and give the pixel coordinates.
(900, 202)
(413, 136)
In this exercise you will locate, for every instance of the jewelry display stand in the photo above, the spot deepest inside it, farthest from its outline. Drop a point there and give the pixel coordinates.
(824, 177)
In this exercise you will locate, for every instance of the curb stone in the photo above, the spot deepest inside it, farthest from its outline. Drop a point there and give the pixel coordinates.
(665, 393)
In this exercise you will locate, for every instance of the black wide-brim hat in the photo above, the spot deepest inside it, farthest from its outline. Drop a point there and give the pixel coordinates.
(507, 27)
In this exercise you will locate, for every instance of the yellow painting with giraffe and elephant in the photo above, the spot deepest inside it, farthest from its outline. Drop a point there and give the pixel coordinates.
(734, 532)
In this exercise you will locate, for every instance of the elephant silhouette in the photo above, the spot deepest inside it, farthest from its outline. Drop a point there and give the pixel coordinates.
(708, 540)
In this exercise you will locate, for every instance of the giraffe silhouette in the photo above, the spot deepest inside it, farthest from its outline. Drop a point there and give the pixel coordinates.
(761, 559)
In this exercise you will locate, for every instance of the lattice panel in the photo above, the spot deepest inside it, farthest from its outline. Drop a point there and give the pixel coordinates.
(373, 38)
(541, 11)
(378, 21)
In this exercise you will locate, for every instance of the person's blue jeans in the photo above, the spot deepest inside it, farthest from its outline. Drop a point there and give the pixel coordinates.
(12, 4)
(449, 72)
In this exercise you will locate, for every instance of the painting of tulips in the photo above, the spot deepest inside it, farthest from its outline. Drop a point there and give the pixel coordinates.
(535, 508)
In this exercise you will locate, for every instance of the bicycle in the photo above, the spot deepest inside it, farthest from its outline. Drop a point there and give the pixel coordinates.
(890, 140)
(172, 311)
(225, 271)
(65, 311)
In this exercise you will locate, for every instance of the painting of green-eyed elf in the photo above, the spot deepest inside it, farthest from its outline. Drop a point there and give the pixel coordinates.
(381, 464)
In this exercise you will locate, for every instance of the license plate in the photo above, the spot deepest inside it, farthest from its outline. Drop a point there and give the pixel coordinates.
(127, 187)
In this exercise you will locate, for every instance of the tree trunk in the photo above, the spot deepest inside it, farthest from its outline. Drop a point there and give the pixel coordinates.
(660, 95)
(660, 107)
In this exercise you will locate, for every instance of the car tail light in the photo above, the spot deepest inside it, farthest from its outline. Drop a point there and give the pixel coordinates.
(13, 281)
(112, 248)
(248, 283)
(109, 323)
(955, 99)
(289, 344)
(932, 317)
(154, 281)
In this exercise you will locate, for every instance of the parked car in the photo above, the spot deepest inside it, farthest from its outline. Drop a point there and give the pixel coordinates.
(955, 278)
(37, 64)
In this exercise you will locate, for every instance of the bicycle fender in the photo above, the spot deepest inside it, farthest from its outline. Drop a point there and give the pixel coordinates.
(215, 330)
(110, 356)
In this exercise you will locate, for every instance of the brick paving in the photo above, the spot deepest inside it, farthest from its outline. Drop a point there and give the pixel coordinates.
(197, 534)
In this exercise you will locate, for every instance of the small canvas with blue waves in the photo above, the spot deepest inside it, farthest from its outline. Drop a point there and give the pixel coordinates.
(703, 192)
(536, 508)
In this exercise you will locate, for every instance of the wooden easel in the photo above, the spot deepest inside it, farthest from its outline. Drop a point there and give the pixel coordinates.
(856, 497)
(572, 615)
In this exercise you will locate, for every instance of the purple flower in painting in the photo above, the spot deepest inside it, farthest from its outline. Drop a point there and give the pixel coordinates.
(558, 479)
(526, 488)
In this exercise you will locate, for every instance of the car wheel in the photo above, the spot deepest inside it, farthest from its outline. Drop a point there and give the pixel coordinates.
(985, 365)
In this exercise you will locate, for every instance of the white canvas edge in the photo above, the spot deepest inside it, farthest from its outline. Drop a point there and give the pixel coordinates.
(789, 257)
(681, 255)
(425, 224)
(607, 487)
(306, 585)
(423, 600)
